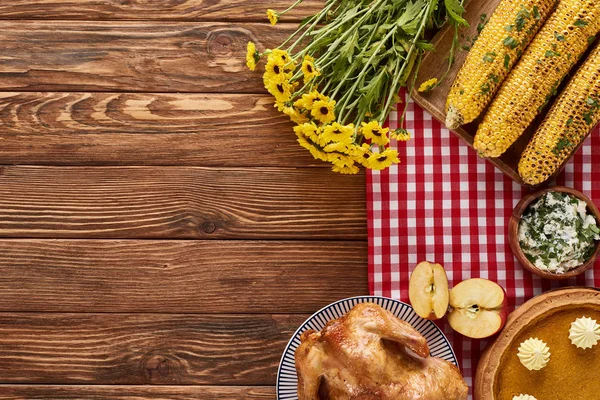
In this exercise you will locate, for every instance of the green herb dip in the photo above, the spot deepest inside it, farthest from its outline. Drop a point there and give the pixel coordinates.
(557, 234)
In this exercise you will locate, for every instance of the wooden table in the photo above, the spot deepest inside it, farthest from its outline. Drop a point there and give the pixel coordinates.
(162, 233)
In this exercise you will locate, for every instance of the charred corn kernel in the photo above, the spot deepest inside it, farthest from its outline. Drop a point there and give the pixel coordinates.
(502, 41)
(536, 78)
(569, 121)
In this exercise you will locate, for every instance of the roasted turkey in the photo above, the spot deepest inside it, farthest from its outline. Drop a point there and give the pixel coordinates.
(369, 354)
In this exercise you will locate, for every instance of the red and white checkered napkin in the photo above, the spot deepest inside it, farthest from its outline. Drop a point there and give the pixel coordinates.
(445, 204)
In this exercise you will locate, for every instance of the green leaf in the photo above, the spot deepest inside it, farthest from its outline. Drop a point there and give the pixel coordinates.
(409, 20)
(423, 45)
(580, 23)
(455, 12)
(347, 50)
(409, 68)
(559, 37)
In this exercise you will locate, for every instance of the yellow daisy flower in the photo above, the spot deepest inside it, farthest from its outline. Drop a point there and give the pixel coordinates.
(362, 154)
(339, 147)
(275, 72)
(337, 132)
(280, 105)
(308, 69)
(428, 85)
(317, 153)
(252, 56)
(308, 99)
(341, 160)
(296, 116)
(347, 170)
(308, 130)
(383, 160)
(375, 133)
(400, 135)
(322, 111)
(281, 91)
(273, 16)
(283, 56)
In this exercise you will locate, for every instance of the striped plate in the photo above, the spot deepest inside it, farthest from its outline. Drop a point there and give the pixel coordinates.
(287, 380)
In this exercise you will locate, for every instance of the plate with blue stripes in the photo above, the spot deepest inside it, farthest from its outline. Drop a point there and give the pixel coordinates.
(287, 380)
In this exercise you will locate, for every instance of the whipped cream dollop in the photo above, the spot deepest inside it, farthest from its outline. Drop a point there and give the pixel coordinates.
(584, 333)
(534, 354)
(524, 397)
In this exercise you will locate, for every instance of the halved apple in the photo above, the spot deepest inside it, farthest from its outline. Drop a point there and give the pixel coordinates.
(428, 290)
(478, 308)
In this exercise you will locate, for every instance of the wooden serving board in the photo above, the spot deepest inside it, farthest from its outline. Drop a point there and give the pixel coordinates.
(494, 357)
(435, 63)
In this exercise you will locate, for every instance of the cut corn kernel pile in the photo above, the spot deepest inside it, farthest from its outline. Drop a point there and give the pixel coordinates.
(504, 38)
(535, 79)
(568, 123)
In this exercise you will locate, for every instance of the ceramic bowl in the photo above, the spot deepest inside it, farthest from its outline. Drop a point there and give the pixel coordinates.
(513, 233)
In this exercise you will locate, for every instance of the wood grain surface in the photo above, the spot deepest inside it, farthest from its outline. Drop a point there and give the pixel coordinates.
(132, 56)
(179, 276)
(135, 349)
(184, 203)
(196, 10)
(129, 392)
(162, 234)
(220, 130)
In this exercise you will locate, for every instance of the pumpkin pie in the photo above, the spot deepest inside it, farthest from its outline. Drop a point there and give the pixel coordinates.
(571, 373)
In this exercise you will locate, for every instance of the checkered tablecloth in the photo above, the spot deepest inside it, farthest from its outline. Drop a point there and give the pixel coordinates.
(445, 204)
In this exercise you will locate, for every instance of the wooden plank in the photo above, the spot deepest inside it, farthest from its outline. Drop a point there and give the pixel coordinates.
(181, 202)
(132, 56)
(136, 349)
(146, 129)
(191, 10)
(179, 276)
(98, 392)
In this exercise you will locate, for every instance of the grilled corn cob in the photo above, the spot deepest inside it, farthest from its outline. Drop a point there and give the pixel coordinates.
(504, 38)
(567, 124)
(535, 79)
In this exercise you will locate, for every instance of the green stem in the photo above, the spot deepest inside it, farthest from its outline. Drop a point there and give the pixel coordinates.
(326, 86)
(393, 91)
(356, 25)
(413, 46)
(321, 14)
(302, 25)
(342, 82)
(291, 7)
(366, 67)
(359, 120)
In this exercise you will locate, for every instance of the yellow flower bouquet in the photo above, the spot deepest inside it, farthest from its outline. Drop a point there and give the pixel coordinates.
(338, 76)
